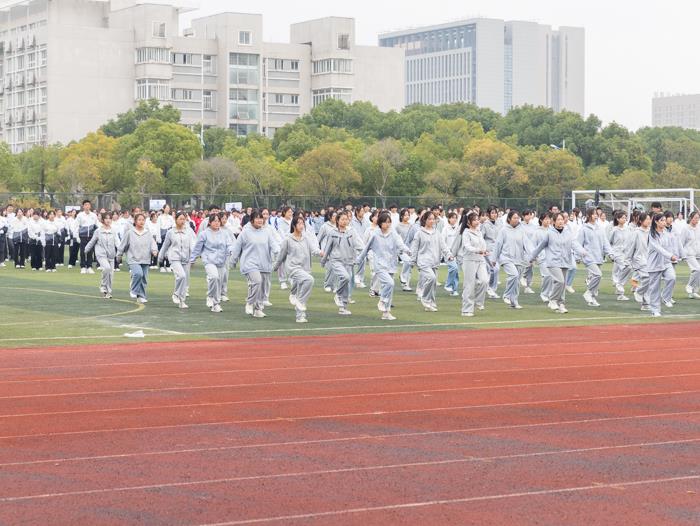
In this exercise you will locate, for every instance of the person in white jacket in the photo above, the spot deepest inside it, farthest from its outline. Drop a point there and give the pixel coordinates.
(473, 254)
(51, 232)
(35, 232)
(284, 226)
(166, 222)
(177, 248)
(426, 249)
(104, 244)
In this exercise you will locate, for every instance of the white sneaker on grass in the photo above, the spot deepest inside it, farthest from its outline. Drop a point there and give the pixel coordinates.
(344, 312)
(175, 299)
(249, 310)
(216, 308)
(259, 314)
(388, 317)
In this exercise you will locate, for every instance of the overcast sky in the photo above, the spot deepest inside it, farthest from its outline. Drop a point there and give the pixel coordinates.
(634, 48)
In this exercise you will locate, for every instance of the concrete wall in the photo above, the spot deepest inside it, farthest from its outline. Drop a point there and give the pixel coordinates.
(379, 77)
(530, 59)
(490, 64)
(572, 69)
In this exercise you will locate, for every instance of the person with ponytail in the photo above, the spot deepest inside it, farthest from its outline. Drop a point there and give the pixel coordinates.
(140, 247)
(596, 246)
(543, 232)
(104, 244)
(426, 249)
(620, 239)
(177, 249)
(691, 245)
(662, 246)
(473, 255)
(214, 245)
(511, 253)
(386, 246)
(340, 250)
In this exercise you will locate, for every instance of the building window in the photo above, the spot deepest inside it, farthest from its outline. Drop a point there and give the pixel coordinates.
(183, 59)
(183, 94)
(20, 62)
(245, 38)
(159, 55)
(244, 69)
(244, 129)
(332, 65)
(209, 64)
(243, 104)
(31, 61)
(295, 100)
(159, 29)
(42, 61)
(344, 41)
(278, 98)
(208, 100)
(43, 95)
(320, 95)
(294, 65)
(31, 97)
(152, 89)
(277, 64)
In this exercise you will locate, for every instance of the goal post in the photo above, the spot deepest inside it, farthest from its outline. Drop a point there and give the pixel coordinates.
(674, 199)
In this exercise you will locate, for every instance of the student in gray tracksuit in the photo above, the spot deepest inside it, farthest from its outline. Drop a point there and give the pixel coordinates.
(386, 246)
(620, 238)
(490, 229)
(139, 246)
(214, 245)
(511, 252)
(323, 232)
(473, 254)
(340, 251)
(104, 243)
(594, 241)
(177, 248)
(638, 255)
(426, 249)
(690, 240)
(284, 226)
(357, 224)
(662, 255)
(255, 248)
(295, 254)
(542, 232)
(559, 243)
(407, 267)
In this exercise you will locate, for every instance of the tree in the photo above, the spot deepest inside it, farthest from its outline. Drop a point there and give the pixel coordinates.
(126, 123)
(552, 173)
(36, 164)
(9, 171)
(148, 178)
(380, 165)
(632, 179)
(214, 141)
(492, 167)
(216, 176)
(327, 171)
(446, 181)
(83, 165)
(675, 175)
(260, 171)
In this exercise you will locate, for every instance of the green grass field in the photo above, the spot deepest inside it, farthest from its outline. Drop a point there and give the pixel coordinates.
(39, 309)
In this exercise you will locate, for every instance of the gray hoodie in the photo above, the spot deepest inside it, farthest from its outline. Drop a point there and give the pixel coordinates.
(296, 254)
(342, 246)
(138, 246)
(427, 247)
(178, 245)
(104, 242)
(512, 246)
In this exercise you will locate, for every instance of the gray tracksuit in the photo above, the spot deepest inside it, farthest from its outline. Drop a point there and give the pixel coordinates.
(295, 254)
(426, 249)
(214, 247)
(620, 238)
(255, 248)
(326, 229)
(474, 265)
(690, 240)
(662, 246)
(490, 230)
(104, 242)
(595, 242)
(386, 249)
(340, 250)
(511, 252)
(138, 246)
(177, 248)
(558, 246)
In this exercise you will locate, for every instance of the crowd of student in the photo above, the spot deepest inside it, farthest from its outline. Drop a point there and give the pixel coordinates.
(644, 248)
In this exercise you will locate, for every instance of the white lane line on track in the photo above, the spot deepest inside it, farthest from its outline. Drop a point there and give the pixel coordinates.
(360, 438)
(317, 473)
(354, 415)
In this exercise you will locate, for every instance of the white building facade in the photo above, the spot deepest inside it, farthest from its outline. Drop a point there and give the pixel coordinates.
(676, 110)
(493, 63)
(69, 66)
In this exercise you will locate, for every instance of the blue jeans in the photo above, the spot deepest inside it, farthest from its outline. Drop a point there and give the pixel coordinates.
(139, 280)
(452, 275)
(570, 276)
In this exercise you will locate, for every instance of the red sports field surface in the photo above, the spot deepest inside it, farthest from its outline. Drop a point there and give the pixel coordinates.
(539, 426)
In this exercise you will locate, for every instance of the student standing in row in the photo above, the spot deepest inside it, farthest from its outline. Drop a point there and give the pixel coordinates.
(638, 255)
(386, 246)
(450, 233)
(86, 224)
(490, 228)
(340, 250)
(214, 245)
(255, 248)
(20, 238)
(177, 248)
(4, 229)
(510, 252)
(295, 254)
(327, 227)
(165, 223)
(51, 230)
(620, 238)
(36, 240)
(595, 243)
(473, 254)
(139, 247)
(104, 244)
(662, 256)
(284, 226)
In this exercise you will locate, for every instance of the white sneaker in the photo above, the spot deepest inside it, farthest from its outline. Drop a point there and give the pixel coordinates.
(426, 305)
(210, 302)
(449, 289)
(689, 290)
(267, 304)
(562, 309)
(544, 298)
(406, 288)
(620, 290)
(169, 269)
(593, 303)
(668, 304)
(141, 300)
(645, 308)
(132, 295)
(622, 297)
(83, 271)
(293, 300)
(361, 285)
(162, 270)
(695, 296)
(387, 316)
(2, 265)
(492, 294)
(90, 271)
(468, 314)
(516, 306)
(108, 296)
(249, 310)
(152, 267)
(588, 297)
(183, 305)
(351, 301)
(344, 312)
(528, 290)
(553, 305)
(225, 299)
(70, 266)
(301, 306)
(302, 320)
(506, 301)
(523, 282)
(655, 314)
(259, 314)
(338, 301)
(117, 270)
(284, 286)
(175, 299)
(216, 308)
(327, 289)
(570, 290)
(103, 290)
(455, 294)
(638, 297)
(381, 306)
(480, 307)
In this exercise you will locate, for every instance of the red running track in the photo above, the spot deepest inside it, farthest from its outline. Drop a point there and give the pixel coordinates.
(576, 426)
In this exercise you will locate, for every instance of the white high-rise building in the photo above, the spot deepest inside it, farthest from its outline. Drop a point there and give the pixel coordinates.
(676, 110)
(69, 66)
(493, 63)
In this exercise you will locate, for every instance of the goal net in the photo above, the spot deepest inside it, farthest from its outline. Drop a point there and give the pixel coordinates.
(676, 200)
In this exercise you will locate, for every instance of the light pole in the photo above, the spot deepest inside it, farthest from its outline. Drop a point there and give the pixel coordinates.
(562, 147)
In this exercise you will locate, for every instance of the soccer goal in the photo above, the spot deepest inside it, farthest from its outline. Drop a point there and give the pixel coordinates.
(673, 199)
